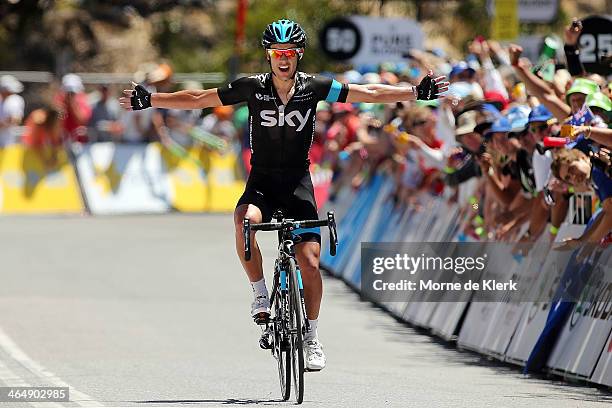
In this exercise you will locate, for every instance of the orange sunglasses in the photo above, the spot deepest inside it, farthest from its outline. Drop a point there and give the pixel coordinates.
(289, 53)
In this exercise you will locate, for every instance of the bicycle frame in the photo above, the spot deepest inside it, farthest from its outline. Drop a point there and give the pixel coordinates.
(286, 251)
(284, 332)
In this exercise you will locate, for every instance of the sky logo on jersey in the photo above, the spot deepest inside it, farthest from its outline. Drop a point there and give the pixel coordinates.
(269, 119)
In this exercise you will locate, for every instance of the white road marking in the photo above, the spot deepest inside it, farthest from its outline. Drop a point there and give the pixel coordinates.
(10, 379)
(16, 353)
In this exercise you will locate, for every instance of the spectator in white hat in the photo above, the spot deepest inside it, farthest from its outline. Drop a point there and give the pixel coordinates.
(72, 101)
(11, 109)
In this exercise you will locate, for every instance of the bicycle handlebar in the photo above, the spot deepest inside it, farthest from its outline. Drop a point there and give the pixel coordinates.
(291, 225)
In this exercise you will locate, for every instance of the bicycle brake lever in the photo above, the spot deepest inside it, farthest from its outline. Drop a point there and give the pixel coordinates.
(333, 234)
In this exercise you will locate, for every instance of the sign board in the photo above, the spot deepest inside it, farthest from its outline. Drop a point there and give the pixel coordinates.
(596, 44)
(532, 45)
(532, 11)
(537, 11)
(505, 23)
(30, 183)
(370, 40)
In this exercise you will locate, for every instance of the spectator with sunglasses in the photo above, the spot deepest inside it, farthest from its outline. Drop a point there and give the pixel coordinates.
(540, 124)
(517, 146)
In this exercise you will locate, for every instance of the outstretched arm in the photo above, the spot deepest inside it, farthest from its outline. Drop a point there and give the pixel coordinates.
(139, 98)
(429, 88)
(188, 99)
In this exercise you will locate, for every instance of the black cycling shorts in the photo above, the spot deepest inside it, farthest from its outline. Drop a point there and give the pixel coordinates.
(290, 191)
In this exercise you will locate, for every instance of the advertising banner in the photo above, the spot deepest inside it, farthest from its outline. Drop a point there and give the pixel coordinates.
(532, 11)
(603, 370)
(538, 307)
(505, 22)
(588, 326)
(225, 183)
(185, 177)
(534, 314)
(122, 178)
(36, 181)
(370, 40)
(150, 178)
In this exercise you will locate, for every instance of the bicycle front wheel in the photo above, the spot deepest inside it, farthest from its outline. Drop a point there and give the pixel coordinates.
(297, 319)
(282, 349)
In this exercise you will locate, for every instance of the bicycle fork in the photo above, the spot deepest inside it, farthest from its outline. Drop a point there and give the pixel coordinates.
(302, 301)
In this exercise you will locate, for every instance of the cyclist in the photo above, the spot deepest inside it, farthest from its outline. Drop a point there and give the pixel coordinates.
(282, 106)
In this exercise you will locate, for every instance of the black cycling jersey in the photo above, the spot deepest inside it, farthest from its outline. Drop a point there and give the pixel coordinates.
(281, 135)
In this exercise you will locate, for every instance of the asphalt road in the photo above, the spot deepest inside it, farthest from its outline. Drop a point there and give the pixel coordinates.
(154, 311)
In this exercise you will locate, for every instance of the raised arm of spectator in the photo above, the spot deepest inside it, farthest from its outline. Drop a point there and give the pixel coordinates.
(538, 87)
(492, 78)
(603, 136)
(499, 52)
(433, 157)
(571, 48)
(503, 195)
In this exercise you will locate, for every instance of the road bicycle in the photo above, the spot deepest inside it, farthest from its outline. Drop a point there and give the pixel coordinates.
(284, 330)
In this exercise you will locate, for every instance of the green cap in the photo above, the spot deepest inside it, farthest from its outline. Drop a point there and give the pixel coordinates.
(434, 103)
(599, 100)
(323, 106)
(376, 109)
(582, 85)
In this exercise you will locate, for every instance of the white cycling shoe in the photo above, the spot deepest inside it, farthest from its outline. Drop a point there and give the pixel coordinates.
(314, 358)
(260, 309)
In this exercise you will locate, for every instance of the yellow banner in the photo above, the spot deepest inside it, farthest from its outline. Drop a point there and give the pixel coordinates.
(37, 181)
(225, 183)
(203, 180)
(505, 23)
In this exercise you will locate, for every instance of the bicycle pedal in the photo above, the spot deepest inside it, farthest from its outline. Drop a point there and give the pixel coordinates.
(261, 318)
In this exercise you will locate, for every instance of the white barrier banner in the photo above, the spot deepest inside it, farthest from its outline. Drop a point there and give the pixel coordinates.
(122, 178)
(584, 335)
(510, 329)
(478, 330)
(527, 271)
(603, 370)
(534, 314)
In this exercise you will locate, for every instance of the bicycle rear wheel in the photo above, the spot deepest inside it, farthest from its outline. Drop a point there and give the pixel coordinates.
(297, 318)
(282, 349)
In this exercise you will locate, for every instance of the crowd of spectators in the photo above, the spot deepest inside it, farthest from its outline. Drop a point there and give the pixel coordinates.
(73, 115)
(519, 138)
(525, 136)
